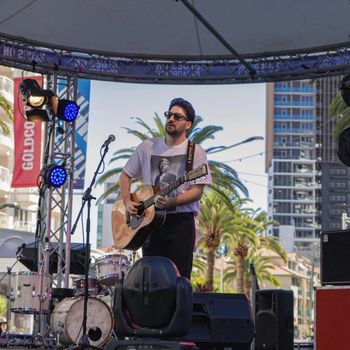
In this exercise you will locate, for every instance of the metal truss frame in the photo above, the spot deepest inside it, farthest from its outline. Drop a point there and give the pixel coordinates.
(309, 64)
(60, 143)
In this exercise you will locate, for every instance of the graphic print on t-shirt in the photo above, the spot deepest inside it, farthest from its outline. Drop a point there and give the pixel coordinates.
(165, 170)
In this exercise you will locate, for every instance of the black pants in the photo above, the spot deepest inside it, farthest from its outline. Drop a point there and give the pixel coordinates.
(175, 241)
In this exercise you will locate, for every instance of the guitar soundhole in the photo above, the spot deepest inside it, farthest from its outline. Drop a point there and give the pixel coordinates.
(135, 221)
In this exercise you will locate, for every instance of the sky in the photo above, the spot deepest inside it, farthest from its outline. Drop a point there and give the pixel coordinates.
(239, 109)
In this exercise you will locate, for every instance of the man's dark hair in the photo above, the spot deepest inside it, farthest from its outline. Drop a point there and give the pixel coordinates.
(190, 113)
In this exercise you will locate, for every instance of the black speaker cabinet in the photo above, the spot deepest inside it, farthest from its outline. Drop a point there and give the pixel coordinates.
(335, 257)
(29, 256)
(221, 321)
(274, 320)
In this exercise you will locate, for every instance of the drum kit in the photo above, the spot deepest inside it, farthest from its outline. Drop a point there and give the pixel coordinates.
(30, 293)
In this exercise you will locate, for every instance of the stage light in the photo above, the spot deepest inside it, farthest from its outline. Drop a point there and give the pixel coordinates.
(64, 109)
(67, 110)
(37, 115)
(344, 87)
(35, 100)
(54, 175)
(33, 95)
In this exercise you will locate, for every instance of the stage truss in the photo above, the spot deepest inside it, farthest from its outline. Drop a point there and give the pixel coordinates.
(60, 144)
(308, 64)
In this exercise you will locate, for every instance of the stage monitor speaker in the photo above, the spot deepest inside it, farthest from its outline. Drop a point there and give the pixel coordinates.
(274, 320)
(335, 257)
(221, 321)
(29, 256)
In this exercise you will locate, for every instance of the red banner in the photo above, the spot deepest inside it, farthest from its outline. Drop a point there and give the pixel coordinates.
(27, 136)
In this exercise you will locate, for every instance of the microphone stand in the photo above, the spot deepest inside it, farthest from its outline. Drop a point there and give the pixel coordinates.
(87, 198)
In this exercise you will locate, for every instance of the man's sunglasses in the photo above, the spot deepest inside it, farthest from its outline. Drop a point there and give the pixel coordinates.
(177, 116)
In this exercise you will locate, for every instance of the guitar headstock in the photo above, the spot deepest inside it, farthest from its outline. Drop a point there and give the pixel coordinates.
(197, 173)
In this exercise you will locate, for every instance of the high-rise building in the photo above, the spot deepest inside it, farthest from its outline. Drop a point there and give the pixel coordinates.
(309, 187)
(293, 177)
(335, 175)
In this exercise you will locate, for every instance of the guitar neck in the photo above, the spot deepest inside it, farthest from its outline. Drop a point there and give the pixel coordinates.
(150, 201)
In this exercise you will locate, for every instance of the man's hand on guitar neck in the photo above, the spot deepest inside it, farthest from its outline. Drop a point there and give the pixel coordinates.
(131, 207)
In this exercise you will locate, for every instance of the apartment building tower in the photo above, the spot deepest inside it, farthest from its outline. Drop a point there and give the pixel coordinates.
(293, 174)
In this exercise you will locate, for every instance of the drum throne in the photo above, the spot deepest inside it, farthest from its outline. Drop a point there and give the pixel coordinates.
(153, 301)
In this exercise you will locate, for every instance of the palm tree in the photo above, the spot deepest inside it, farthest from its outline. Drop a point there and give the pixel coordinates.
(240, 240)
(223, 175)
(214, 220)
(262, 266)
(6, 106)
(248, 251)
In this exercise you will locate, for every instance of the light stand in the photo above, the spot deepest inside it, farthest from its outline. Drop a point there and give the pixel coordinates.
(87, 198)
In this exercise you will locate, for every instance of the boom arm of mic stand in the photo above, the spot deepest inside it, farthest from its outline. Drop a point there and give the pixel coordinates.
(87, 194)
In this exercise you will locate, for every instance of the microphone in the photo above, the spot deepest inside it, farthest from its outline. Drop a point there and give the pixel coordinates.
(110, 139)
(20, 250)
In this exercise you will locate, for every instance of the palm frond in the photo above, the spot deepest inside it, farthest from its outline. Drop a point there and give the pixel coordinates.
(109, 173)
(112, 189)
(201, 135)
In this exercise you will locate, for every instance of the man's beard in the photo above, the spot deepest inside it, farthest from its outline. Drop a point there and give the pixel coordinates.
(171, 130)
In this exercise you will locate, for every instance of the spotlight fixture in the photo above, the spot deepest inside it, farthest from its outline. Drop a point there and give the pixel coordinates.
(344, 87)
(64, 109)
(33, 95)
(37, 115)
(54, 175)
(35, 99)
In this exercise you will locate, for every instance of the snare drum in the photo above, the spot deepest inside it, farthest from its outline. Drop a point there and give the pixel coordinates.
(93, 286)
(67, 318)
(27, 290)
(111, 268)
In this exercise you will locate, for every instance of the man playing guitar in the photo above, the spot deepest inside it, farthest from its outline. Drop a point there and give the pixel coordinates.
(175, 239)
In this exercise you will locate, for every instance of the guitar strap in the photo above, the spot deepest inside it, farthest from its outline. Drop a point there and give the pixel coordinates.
(190, 155)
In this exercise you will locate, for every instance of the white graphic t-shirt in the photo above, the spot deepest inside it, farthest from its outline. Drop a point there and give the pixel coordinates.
(159, 165)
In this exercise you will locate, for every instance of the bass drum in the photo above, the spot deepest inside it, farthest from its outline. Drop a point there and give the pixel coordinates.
(67, 318)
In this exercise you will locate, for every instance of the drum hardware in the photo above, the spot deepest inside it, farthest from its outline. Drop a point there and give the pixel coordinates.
(87, 198)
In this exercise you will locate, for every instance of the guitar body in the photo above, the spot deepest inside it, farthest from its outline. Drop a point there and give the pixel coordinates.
(131, 232)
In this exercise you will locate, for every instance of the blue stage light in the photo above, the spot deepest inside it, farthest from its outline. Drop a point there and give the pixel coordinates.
(67, 110)
(54, 175)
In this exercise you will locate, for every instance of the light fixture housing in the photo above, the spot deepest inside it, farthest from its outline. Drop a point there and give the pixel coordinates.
(34, 115)
(53, 175)
(35, 100)
(66, 110)
(33, 95)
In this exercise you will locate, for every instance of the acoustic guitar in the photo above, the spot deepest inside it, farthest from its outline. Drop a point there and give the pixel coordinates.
(131, 231)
